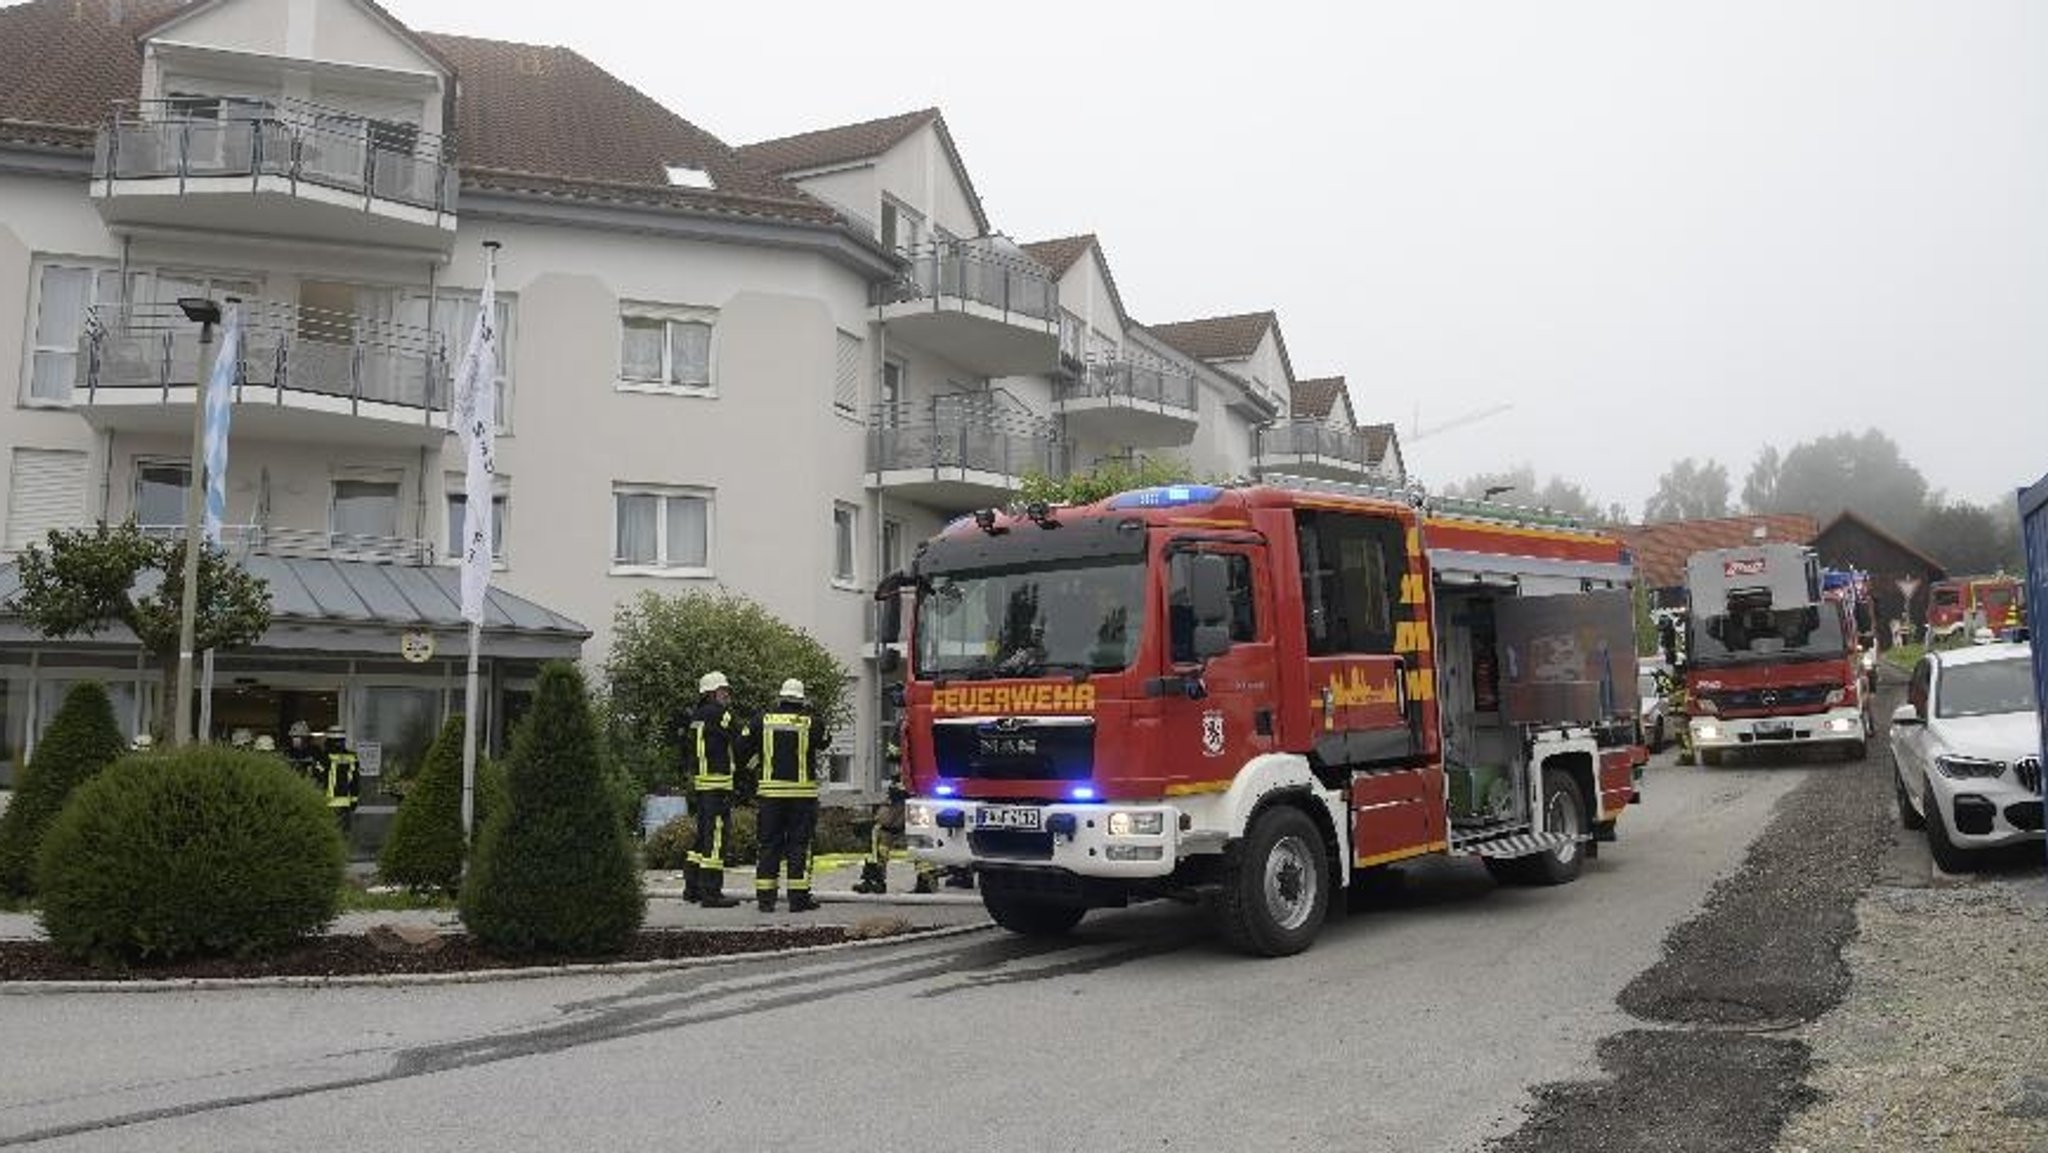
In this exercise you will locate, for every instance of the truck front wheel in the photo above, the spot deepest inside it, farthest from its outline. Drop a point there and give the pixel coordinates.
(1276, 884)
(1031, 918)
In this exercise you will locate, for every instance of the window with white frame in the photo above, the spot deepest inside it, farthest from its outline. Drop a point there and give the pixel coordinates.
(892, 392)
(665, 348)
(160, 487)
(364, 510)
(892, 546)
(902, 229)
(65, 293)
(845, 530)
(847, 374)
(839, 761)
(662, 529)
(458, 524)
(453, 317)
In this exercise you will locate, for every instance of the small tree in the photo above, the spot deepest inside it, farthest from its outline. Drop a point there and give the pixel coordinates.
(87, 579)
(661, 645)
(81, 740)
(425, 849)
(1105, 479)
(554, 871)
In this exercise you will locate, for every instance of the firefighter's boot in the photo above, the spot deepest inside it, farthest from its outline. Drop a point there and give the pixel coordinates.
(765, 898)
(872, 879)
(691, 893)
(711, 890)
(926, 881)
(801, 901)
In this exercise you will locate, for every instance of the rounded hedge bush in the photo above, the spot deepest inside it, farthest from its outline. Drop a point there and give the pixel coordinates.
(82, 739)
(199, 851)
(554, 871)
(425, 851)
(668, 847)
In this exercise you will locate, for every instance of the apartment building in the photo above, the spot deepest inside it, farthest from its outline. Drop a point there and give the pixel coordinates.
(769, 369)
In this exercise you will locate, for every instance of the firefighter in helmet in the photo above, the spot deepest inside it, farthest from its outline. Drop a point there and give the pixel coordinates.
(340, 781)
(888, 823)
(792, 740)
(304, 759)
(716, 742)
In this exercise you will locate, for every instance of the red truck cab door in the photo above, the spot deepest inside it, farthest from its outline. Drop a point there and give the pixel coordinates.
(1208, 737)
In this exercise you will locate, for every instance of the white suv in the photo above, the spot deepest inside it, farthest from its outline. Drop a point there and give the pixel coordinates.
(1966, 747)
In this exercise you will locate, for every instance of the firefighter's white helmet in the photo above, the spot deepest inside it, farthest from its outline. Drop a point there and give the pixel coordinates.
(792, 690)
(712, 682)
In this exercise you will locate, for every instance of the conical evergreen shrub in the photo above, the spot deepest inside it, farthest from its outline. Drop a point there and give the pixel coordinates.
(81, 740)
(553, 871)
(424, 849)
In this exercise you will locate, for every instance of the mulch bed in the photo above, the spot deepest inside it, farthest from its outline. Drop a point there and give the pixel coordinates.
(353, 955)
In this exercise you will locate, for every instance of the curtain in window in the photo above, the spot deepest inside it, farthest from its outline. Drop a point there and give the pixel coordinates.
(160, 495)
(640, 349)
(842, 559)
(60, 321)
(689, 524)
(639, 526)
(691, 348)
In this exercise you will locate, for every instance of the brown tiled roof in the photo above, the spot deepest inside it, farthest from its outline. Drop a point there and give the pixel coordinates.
(1379, 441)
(94, 40)
(529, 117)
(1661, 550)
(1851, 516)
(1218, 337)
(1314, 399)
(1059, 255)
(825, 147)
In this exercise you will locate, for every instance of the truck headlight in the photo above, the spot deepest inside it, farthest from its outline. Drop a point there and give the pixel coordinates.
(1123, 824)
(1705, 707)
(918, 817)
(1836, 697)
(1967, 768)
(1706, 732)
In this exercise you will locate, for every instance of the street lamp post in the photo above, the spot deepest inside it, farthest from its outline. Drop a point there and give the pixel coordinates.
(206, 313)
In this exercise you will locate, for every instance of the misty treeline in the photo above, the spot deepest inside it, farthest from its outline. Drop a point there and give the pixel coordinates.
(1863, 472)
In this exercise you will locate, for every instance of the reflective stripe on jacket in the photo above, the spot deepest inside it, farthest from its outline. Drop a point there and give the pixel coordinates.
(714, 743)
(787, 769)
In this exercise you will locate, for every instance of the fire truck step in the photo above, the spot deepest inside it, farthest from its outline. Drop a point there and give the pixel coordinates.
(1522, 845)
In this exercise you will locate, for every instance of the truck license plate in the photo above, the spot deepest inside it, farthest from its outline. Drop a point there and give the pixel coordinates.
(1008, 817)
(1774, 728)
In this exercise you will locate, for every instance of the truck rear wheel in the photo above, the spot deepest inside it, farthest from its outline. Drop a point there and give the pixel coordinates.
(1276, 884)
(1564, 811)
(1031, 918)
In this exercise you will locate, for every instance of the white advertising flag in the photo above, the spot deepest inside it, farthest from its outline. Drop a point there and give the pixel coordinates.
(476, 412)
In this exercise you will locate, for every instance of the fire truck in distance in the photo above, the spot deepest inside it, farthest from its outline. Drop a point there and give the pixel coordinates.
(1772, 658)
(1958, 608)
(1248, 697)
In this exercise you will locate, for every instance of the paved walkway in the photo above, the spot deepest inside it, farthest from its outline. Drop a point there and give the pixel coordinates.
(839, 905)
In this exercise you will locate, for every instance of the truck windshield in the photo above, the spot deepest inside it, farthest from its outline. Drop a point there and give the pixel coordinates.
(1074, 618)
(1763, 634)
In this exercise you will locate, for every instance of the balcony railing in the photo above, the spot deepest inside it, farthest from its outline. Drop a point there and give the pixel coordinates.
(263, 540)
(1124, 380)
(286, 348)
(978, 433)
(1308, 438)
(977, 271)
(304, 143)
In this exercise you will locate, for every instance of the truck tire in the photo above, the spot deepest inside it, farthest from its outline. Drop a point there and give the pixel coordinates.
(1564, 811)
(1031, 918)
(1276, 884)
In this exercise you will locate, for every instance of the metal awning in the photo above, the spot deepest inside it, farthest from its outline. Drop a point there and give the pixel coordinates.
(363, 607)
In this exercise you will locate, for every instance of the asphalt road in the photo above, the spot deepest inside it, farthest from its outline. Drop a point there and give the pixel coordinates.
(1422, 1022)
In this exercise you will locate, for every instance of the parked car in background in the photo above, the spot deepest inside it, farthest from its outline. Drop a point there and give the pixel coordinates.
(1653, 682)
(1966, 751)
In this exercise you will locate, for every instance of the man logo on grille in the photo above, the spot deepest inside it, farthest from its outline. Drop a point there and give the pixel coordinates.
(1212, 733)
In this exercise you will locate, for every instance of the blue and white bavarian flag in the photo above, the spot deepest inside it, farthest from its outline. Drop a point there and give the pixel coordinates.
(476, 414)
(219, 401)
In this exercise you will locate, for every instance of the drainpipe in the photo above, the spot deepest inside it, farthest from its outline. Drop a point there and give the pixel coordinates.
(879, 739)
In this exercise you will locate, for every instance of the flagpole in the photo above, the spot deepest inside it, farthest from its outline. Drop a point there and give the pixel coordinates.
(476, 513)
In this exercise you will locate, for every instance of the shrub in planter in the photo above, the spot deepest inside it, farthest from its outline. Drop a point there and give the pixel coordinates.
(81, 740)
(841, 830)
(554, 871)
(669, 846)
(424, 851)
(199, 851)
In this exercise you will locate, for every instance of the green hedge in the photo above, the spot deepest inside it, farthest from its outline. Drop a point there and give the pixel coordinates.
(199, 851)
(81, 740)
(424, 850)
(554, 871)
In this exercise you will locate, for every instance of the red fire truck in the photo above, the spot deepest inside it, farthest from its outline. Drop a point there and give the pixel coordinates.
(1772, 659)
(1248, 697)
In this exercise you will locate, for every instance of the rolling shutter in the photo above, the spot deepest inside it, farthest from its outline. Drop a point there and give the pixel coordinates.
(46, 490)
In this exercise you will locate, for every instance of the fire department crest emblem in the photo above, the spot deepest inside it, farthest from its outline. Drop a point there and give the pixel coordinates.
(1212, 733)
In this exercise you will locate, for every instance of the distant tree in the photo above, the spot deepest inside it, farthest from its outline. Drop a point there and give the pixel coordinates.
(1105, 479)
(1968, 538)
(80, 581)
(1760, 488)
(1865, 472)
(1519, 486)
(1689, 491)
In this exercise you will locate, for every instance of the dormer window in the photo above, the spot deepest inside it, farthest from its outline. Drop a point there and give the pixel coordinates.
(684, 176)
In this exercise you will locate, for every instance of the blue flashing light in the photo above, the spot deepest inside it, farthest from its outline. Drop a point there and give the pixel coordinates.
(1166, 496)
(943, 790)
(1081, 793)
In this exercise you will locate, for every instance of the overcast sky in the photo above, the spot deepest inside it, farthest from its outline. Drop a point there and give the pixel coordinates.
(1656, 229)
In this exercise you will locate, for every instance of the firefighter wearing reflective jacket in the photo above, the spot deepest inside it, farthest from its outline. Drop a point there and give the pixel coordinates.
(716, 741)
(343, 786)
(791, 741)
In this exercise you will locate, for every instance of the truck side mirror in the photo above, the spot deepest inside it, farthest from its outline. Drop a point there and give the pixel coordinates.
(889, 661)
(894, 696)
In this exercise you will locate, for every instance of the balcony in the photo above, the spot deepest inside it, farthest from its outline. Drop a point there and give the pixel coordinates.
(305, 374)
(275, 168)
(243, 540)
(1306, 448)
(957, 453)
(991, 312)
(1130, 403)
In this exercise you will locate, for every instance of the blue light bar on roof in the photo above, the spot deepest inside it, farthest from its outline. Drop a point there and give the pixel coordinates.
(1166, 496)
